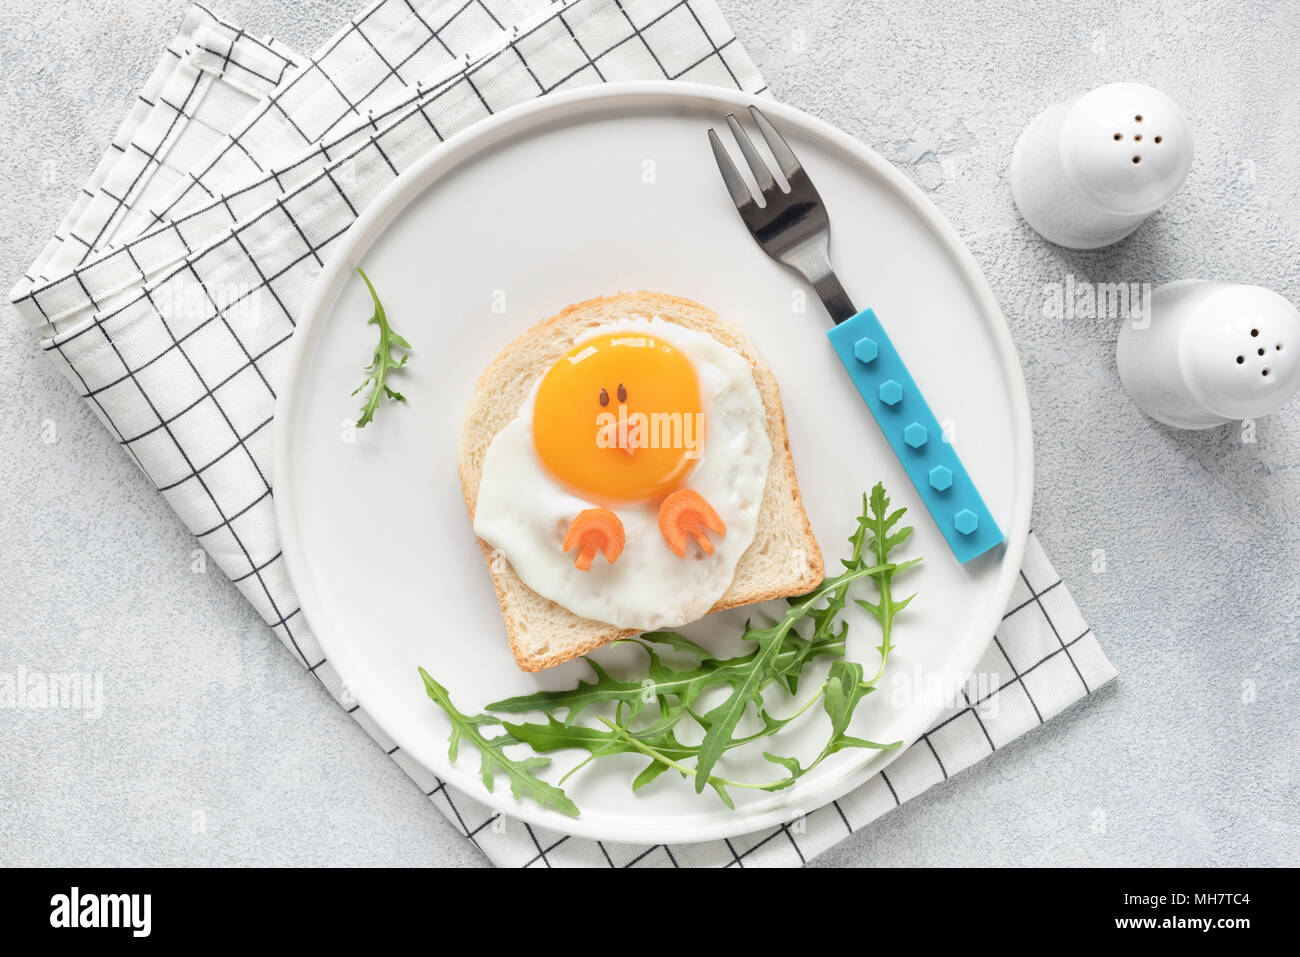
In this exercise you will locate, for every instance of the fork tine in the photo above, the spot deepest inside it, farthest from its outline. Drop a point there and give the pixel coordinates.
(730, 175)
(785, 157)
(762, 175)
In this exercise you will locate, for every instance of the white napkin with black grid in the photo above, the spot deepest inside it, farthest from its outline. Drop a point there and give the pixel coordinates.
(169, 292)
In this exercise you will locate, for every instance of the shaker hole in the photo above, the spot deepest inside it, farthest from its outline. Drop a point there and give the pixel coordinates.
(1136, 160)
(1278, 347)
(1254, 332)
(1160, 139)
(1138, 118)
(1265, 372)
(1261, 352)
(1137, 138)
(1240, 359)
(1119, 136)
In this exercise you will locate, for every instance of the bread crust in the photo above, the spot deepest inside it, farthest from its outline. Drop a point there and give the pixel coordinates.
(535, 625)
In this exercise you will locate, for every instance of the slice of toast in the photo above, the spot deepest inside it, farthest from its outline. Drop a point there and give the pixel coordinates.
(782, 560)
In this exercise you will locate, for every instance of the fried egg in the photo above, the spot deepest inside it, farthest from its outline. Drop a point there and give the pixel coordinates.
(663, 427)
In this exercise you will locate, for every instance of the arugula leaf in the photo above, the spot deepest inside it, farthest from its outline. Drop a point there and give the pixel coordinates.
(523, 781)
(685, 684)
(648, 774)
(779, 655)
(841, 694)
(747, 683)
(827, 641)
(677, 643)
(557, 736)
(383, 362)
(577, 700)
(884, 539)
(825, 618)
(658, 757)
(844, 689)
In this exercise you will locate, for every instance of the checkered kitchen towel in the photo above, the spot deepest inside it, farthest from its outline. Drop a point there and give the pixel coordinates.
(239, 164)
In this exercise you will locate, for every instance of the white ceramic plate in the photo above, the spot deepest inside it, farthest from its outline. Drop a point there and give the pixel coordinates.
(574, 195)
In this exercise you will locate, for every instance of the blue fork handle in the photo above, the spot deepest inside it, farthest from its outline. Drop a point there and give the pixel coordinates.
(915, 435)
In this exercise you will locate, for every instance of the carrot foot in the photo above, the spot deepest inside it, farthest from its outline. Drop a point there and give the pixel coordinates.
(594, 530)
(686, 513)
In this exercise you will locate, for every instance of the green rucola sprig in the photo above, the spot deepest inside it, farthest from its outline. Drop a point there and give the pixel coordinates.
(383, 361)
(779, 656)
(523, 779)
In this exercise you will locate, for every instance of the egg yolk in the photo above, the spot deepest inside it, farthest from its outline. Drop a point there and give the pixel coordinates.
(618, 418)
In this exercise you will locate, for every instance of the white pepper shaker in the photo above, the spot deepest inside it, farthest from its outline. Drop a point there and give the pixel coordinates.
(1206, 353)
(1087, 172)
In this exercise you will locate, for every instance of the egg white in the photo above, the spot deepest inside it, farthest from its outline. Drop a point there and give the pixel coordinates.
(523, 512)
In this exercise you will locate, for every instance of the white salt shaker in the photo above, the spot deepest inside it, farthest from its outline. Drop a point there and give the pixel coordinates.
(1087, 172)
(1205, 353)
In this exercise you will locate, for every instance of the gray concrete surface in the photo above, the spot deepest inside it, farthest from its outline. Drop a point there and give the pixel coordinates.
(1189, 758)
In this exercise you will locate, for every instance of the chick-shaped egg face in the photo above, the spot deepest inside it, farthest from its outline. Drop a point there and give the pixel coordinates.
(554, 474)
(618, 419)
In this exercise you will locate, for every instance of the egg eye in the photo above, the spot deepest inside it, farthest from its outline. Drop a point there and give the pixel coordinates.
(604, 397)
(622, 393)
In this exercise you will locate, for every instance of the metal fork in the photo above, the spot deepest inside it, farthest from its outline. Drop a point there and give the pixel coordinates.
(791, 226)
